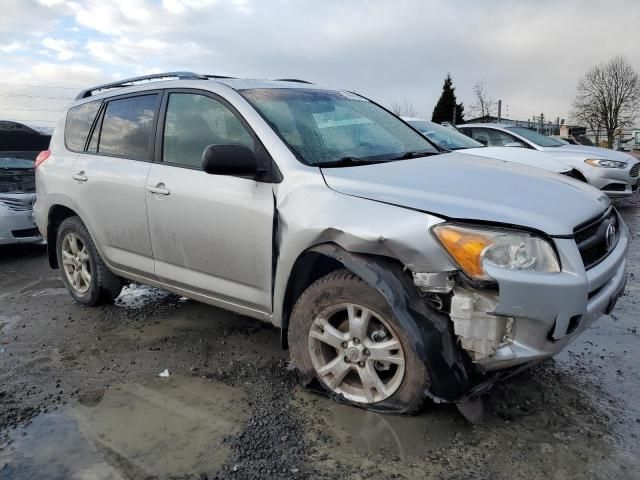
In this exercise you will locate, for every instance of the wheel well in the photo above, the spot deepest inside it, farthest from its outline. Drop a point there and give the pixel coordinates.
(578, 175)
(57, 215)
(309, 267)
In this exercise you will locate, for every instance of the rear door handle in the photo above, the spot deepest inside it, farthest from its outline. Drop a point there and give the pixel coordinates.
(80, 176)
(159, 189)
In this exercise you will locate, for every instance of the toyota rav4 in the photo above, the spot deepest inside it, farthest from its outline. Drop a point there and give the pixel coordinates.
(396, 271)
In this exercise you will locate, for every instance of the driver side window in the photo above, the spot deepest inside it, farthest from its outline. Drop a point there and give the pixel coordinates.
(195, 121)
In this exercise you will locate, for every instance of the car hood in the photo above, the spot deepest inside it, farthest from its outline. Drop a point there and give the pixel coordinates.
(459, 186)
(522, 156)
(592, 152)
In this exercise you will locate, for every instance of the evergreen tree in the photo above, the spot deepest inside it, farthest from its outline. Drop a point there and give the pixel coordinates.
(443, 111)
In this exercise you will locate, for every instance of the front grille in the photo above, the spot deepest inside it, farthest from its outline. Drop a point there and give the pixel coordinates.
(576, 174)
(597, 237)
(635, 170)
(17, 204)
(615, 187)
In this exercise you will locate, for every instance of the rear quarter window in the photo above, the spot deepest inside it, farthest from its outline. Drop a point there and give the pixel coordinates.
(79, 121)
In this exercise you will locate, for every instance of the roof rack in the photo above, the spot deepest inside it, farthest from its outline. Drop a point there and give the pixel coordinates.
(130, 81)
(127, 82)
(296, 80)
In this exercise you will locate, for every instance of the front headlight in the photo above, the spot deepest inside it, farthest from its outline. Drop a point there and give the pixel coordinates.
(473, 247)
(600, 162)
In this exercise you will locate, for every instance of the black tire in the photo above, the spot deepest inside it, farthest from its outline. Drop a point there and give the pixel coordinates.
(343, 286)
(104, 286)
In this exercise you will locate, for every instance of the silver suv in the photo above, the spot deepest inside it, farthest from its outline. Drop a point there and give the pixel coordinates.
(395, 270)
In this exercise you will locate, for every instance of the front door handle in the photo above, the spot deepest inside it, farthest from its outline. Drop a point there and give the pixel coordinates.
(80, 176)
(159, 189)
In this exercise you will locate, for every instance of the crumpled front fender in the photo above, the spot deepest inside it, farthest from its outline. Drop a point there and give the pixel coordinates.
(433, 339)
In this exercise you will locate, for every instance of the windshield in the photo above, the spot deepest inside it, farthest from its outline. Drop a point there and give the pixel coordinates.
(537, 138)
(327, 127)
(10, 163)
(444, 137)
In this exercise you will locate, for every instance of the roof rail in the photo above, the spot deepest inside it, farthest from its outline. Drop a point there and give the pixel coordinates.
(296, 80)
(130, 81)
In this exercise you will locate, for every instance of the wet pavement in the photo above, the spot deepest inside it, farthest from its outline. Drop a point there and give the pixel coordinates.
(81, 397)
(163, 428)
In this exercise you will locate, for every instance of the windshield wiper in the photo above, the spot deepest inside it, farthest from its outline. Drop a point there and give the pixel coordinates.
(346, 162)
(408, 155)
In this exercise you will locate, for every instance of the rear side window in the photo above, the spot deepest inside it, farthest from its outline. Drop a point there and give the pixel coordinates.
(79, 121)
(127, 126)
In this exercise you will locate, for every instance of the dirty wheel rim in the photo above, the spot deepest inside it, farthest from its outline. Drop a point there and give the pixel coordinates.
(75, 261)
(356, 353)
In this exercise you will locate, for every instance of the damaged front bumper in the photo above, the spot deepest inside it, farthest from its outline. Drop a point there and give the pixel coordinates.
(532, 316)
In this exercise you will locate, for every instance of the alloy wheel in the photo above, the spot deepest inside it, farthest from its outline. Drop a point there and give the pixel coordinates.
(75, 262)
(356, 353)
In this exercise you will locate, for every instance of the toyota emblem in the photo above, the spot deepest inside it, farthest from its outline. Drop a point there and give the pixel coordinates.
(610, 236)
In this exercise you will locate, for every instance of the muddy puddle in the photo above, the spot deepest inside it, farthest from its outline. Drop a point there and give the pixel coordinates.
(394, 437)
(164, 428)
(7, 322)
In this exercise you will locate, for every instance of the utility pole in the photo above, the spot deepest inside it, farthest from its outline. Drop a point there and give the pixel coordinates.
(499, 111)
(541, 122)
(453, 120)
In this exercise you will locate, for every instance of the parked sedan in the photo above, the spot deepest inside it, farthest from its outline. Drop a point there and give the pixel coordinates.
(17, 194)
(615, 173)
(451, 139)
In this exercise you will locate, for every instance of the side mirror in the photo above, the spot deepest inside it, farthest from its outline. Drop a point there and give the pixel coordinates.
(233, 160)
(513, 144)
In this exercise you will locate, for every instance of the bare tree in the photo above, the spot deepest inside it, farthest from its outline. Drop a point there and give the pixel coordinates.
(608, 97)
(405, 109)
(484, 103)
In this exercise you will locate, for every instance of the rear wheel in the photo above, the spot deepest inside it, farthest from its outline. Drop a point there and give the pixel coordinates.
(343, 333)
(85, 275)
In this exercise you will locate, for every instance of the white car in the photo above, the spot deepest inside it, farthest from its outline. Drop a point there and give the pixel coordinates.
(615, 173)
(450, 139)
(17, 194)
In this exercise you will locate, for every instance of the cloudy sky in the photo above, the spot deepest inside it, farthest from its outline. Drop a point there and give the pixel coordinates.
(530, 54)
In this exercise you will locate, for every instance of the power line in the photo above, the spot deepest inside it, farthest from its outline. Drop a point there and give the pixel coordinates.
(28, 120)
(53, 116)
(34, 96)
(38, 86)
(33, 109)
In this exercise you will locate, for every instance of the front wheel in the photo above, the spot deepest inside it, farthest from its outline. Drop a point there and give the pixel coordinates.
(343, 333)
(85, 275)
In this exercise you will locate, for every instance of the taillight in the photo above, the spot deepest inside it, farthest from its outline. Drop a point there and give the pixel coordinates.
(42, 156)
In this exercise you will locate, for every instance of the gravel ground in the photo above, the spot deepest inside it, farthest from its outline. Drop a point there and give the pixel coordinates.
(81, 397)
